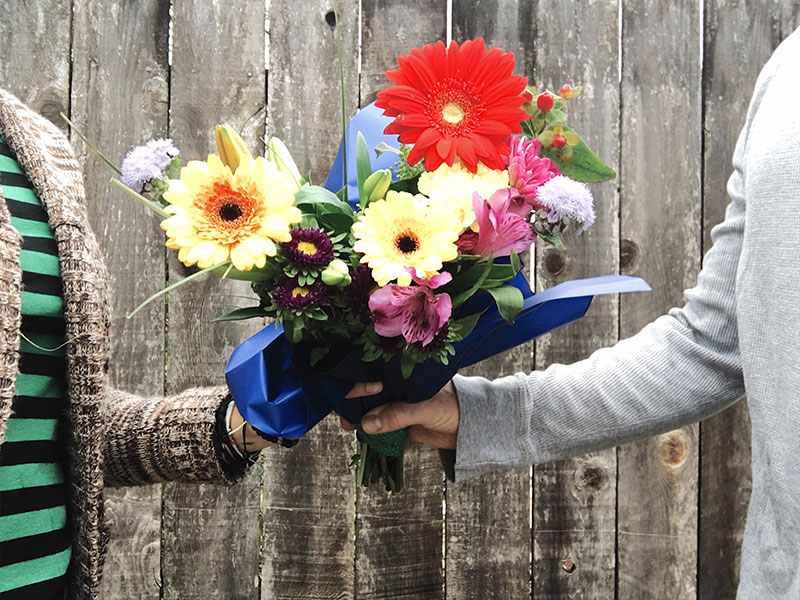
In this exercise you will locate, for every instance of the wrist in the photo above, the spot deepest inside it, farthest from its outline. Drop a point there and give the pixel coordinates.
(233, 461)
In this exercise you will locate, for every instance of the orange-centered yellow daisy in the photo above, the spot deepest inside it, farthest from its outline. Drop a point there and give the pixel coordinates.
(405, 231)
(218, 214)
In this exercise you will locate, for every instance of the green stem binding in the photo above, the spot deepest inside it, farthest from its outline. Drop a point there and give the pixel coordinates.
(381, 458)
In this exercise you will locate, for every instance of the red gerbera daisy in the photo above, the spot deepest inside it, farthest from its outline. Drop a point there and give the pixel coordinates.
(460, 101)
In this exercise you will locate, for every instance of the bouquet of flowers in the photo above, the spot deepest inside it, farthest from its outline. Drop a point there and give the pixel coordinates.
(405, 266)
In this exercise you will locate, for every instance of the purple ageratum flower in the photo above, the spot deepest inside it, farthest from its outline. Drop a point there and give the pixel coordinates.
(147, 162)
(290, 295)
(309, 247)
(500, 229)
(526, 172)
(568, 202)
(412, 311)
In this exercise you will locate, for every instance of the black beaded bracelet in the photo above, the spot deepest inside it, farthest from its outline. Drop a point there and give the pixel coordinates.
(285, 442)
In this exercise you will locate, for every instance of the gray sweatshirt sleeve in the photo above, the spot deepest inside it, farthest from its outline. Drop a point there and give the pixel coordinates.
(681, 368)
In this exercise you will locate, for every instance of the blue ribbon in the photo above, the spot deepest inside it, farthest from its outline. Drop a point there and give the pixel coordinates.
(278, 392)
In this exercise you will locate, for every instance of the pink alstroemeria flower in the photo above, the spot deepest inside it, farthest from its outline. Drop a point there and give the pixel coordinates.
(412, 311)
(500, 229)
(526, 172)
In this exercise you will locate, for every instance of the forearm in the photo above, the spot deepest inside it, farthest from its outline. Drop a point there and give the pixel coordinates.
(177, 438)
(642, 386)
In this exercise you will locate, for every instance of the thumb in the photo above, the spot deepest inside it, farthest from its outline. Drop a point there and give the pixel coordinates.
(390, 417)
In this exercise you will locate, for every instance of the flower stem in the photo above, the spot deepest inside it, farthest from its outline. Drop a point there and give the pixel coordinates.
(169, 288)
(92, 147)
(341, 85)
(362, 464)
(148, 203)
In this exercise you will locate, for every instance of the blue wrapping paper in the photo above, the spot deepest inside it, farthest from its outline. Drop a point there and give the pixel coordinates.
(278, 392)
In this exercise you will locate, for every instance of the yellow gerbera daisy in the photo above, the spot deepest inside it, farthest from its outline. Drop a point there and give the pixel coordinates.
(405, 231)
(217, 214)
(455, 185)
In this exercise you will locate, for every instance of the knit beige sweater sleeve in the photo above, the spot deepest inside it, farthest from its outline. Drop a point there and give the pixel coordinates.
(156, 439)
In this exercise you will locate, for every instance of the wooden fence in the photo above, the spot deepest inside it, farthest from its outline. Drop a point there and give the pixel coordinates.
(667, 84)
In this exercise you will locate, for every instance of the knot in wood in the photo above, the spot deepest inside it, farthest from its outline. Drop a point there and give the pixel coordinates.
(628, 256)
(591, 477)
(674, 449)
(554, 262)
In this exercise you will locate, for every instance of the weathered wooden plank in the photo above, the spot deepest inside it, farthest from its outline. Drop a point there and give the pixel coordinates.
(309, 497)
(217, 75)
(35, 42)
(488, 519)
(113, 47)
(729, 75)
(399, 539)
(660, 225)
(574, 510)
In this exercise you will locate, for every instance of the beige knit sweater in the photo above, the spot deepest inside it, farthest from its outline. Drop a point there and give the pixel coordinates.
(115, 438)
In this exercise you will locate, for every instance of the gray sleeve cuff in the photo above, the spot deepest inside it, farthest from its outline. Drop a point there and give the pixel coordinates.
(491, 414)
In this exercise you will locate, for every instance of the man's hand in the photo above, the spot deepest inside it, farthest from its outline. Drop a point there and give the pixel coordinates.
(433, 421)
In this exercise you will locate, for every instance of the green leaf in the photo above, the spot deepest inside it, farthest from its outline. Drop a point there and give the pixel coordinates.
(305, 180)
(552, 238)
(498, 275)
(459, 299)
(316, 196)
(509, 301)
(555, 116)
(467, 324)
(502, 272)
(317, 354)
(336, 223)
(251, 312)
(585, 165)
(527, 128)
(407, 364)
(405, 185)
(516, 263)
(363, 169)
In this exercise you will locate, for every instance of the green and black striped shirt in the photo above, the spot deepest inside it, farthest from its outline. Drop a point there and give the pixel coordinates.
(35, 545)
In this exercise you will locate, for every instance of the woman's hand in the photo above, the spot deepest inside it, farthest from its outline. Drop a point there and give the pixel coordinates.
(243, 436)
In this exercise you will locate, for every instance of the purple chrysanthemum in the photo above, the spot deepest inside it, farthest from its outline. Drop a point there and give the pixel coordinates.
(566, 201)
(358, 292)
(439, 340)
(147, 162)
(290, 295)
(309, 247)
